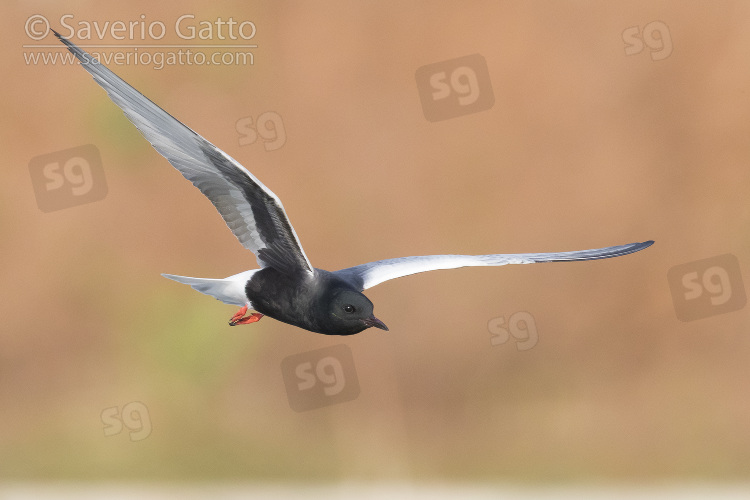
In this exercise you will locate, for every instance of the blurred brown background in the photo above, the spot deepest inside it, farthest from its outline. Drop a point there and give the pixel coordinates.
(584, 147)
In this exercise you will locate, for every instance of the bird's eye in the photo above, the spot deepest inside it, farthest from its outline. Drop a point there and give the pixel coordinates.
(349, 308)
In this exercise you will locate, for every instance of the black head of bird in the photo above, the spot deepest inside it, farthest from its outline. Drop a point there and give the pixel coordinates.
(349, 312)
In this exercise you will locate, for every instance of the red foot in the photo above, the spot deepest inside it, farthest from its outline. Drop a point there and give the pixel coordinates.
(238, 319)
(239, 315)
(249, 319)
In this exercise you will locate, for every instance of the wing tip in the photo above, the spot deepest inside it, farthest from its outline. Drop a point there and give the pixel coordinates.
(637, 247)
(84, 57)
(61, 38)
(623, 250)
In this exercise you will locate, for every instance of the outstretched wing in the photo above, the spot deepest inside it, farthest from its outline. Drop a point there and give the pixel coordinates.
(368, 275)
(253, 213)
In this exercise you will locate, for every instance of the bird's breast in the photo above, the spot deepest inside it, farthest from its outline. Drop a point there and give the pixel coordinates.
(289, 298)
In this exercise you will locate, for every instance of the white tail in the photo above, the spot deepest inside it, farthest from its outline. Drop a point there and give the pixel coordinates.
(229, 290)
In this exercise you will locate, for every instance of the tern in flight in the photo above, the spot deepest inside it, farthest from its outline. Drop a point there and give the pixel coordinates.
(286, 287)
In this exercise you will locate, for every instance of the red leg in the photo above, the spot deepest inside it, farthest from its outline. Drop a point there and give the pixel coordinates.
(238, 316)
(246, 320)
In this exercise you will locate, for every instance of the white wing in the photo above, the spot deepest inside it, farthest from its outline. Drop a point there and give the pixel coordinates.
(368, 275)
(253, 213)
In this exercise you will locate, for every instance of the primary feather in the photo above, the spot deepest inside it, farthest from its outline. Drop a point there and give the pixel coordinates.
(368, 275)
(253, 213)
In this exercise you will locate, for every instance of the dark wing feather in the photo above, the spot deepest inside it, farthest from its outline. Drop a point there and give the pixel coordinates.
(253, 213)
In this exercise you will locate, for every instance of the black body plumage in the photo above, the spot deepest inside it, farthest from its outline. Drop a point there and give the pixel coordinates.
(305, 301)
